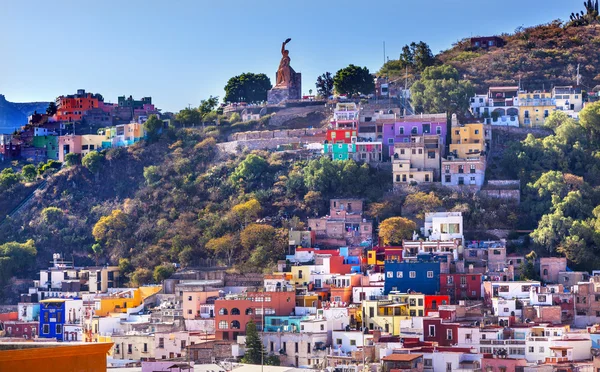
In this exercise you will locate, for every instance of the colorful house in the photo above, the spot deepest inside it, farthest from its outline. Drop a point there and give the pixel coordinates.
(499, 107)
(58, 313)
(120, 302)
(415, 125)
(461, 286)
(535, 107)
(468, 141)
(48, 144)
(72, 107)
(420, 275)
(464, 172)
(417, 161)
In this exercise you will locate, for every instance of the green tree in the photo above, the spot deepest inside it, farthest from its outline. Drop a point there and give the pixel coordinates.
(247, 87)
(8, 178)
(93, 161)
(151, 174)
(189, 117)
(255, 350)
(97, 251)
(141, 276)
(16, 258)
(324, 85)
(440, 90)
(51, 110)
(162, 272)
(251, 171)
(393, 230)
(207, 106)
(29, 173)
(528, 267)
(556, 119)
(417, 55)
(353, 80)
(72, 159)
(53, 216)
(153, 127)
(111, 231)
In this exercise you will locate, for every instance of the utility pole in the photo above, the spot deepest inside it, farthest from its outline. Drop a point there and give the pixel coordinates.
(578, 76)
(384, 52)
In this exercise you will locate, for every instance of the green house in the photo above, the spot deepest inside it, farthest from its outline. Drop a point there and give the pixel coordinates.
(50, 143)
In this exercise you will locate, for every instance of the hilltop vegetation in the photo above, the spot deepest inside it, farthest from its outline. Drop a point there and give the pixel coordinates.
(540, 56)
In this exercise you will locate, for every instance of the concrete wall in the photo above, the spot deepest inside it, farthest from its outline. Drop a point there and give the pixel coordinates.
(268, 134)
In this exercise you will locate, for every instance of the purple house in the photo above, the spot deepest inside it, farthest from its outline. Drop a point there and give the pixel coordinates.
(414, 125)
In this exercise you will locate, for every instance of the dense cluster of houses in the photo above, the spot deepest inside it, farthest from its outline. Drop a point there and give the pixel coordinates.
(102, 125)
(419, 146)
(437, 302)
(513, 106)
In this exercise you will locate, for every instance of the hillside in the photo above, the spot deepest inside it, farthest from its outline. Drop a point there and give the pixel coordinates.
(14, 115)
(540, 56)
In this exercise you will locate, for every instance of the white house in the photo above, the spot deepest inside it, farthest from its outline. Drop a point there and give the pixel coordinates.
(444, 226)
(360, 294)
(498, 107)
(509, 290)
(345, 342)
(302, 349)
(451, 360)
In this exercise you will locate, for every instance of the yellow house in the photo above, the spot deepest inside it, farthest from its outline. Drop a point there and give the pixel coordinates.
(468, 140)
(414, 301)
(384, 314)
(301, 274)
(120, 302)
(535, 107)
(91, 142)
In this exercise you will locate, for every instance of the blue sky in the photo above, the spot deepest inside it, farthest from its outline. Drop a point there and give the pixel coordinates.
(182, 51)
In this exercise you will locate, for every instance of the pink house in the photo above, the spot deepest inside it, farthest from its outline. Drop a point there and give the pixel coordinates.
(68, 144)
(199, 305)
(175, 344)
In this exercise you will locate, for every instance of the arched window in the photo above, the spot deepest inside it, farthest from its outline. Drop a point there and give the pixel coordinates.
(223, 324)
(545, 271)
(235, 311)
(235, 325)
(249, 311)
(223, 311)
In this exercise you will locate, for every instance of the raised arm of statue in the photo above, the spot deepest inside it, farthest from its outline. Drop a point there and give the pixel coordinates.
(283, 45)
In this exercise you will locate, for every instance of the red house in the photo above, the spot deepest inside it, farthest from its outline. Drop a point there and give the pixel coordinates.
(18, 329)
(487, 42)
(461, 286)
(341, 135)
(433, 302)
(233, 314)
(445, 334)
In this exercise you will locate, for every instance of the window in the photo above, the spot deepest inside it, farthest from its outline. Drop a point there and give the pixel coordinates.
(390, 274)
(412, 274)
(414, 151)
(59, 329)
(431, 331)
(463, 280)
(352, 342)
(399, 274)
(189, 298)
(161, 341)
(450, 280)
(84, 147)
(420, 151)
(401, 151)
(235, 311)
(472, 168)
(223, 311)
(426, 178)
(430, 274)
(390, 141)
(129, 348)
(338, 341)
(322, 327)
(223, 324)
(476, 131)
(414, 130)
(401, 130)
(461, 180)
(296, 347)
(541, 349)
(447, 178)
(431, 154)
(461, 169)
(145, 347)
(448, 334)
(189, 311)
(46, 329)
(438, 130)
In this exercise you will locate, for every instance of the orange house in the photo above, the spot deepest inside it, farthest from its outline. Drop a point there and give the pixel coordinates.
(73, 107)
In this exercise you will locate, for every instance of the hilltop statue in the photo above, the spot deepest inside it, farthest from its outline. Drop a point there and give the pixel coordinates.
(284, 74)
(288, 83)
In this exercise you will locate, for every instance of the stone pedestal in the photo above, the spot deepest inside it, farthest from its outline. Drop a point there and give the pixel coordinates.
(279, 95)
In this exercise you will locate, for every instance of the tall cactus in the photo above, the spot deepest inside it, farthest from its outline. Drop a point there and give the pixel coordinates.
(591, 14)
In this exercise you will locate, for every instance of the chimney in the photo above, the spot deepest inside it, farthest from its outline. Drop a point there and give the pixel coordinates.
(377, 335)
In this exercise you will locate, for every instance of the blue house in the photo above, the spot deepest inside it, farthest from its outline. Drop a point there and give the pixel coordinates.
(282, 323)
(420, 275)
(52, 318)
